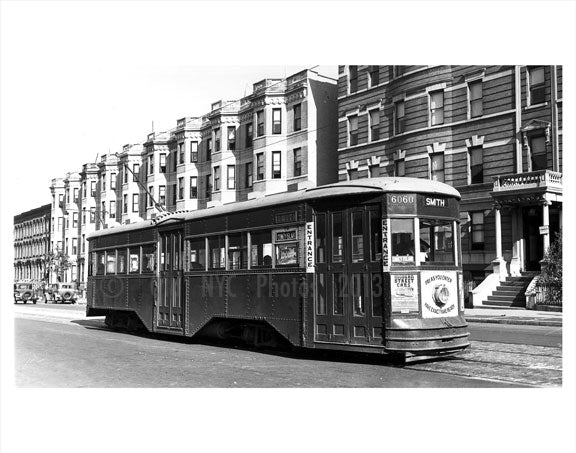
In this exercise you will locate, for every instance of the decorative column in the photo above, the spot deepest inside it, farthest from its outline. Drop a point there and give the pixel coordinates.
(546, 223)
(515, 262)
(499, 265)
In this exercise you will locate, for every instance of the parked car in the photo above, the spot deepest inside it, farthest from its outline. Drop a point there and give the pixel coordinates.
(62, 292)
(24, 292)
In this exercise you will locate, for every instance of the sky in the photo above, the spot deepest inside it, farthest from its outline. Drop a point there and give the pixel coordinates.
(80, 79)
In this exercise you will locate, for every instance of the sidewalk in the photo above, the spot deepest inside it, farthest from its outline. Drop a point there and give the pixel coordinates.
(518, 316)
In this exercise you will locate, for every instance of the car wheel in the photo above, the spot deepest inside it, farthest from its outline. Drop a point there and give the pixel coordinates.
(67, 296)
(34, 301)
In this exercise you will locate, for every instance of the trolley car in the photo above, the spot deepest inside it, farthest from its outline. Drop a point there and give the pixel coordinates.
(369, 265)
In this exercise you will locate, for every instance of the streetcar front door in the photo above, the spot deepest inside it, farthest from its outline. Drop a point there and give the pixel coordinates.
(349, 283)
(171, 283)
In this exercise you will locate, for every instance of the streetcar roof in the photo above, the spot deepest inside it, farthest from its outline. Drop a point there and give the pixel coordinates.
(342, 188)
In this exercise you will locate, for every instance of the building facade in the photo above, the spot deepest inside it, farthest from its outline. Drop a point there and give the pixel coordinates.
(494, 133)
(281, 137)
(32, 243)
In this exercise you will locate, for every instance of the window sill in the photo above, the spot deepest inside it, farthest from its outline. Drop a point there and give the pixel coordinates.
(535, 106)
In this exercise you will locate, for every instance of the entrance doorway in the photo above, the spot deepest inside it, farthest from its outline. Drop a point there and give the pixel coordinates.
(171, 287)
(532, 220)
(349, 299)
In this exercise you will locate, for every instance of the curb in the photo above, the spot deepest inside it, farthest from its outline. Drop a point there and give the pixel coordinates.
(520, 322)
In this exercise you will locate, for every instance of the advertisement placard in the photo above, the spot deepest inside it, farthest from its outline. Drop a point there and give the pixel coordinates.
(404, 293)
(439, 294)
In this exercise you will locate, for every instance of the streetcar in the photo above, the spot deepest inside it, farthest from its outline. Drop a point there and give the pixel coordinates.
(371, 265)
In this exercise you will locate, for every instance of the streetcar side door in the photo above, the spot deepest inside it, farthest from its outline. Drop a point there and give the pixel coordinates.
(348, 292)
(171, 281)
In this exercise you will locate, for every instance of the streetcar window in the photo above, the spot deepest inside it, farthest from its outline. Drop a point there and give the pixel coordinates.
(357, 236)
(197, 254)
(93, 264)
(149, 258)
(358, 294)
(134, 260)
(238, 251)
(111, 262)
(436, 241)
(321, 295)
(261, 251)
(101, 263)
(402, 239)
(375, 236)
(121, 261)
(287, 254)
(320, 238)
(339, 289)
(377, 294)
(217, 252)
(337, 238)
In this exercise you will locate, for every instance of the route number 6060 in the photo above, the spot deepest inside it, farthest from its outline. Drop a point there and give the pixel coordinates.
(402, 199)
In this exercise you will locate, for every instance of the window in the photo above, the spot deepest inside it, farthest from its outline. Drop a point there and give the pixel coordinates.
(436, 241)
(74, 246)
(66, 249)
(260, 123)
(373, 75)
(374, 125)
(297, 161)
(151, 165)
(375, 236)
(216, 179)
(402, 240)
(59, 245)
(399, 124)
(276, 121)
(475, 97)
(134, 260)
(437, 167)
(67, 195)
(476, 165)
(249, 174)
(76, 190)
(174, 158)
(320, 238)
(276, 164)
(217, 139)
(231, 177)
(136, 172)
(337, 238)
(249, 135)
(399, 71)
(259, 166)
(60, 223)
(217, 252)
(125, 171)
(103, 179)
(297, 117)
(193, 152)
(92, 214)
(162, 163)
(180, 153)
(436, 107)
(100, 262)
(261, 249)
(174, 194)
(538, 153)
(150, 196)
(181, 188)
(537, 86)
(352, 79)
(83, 243)
(121, 261)
(238, 251)
(357, 238)
(231, 138)
(208, 187)
(352, 130)
(208, 149)
(112, 181)
(193, 187)
(148, 258)
(60, 199)
(197, 254)
(477, 230)
(74, 220)
(83, 218)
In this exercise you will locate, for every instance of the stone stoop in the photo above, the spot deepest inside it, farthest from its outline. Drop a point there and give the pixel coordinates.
(510, 293)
